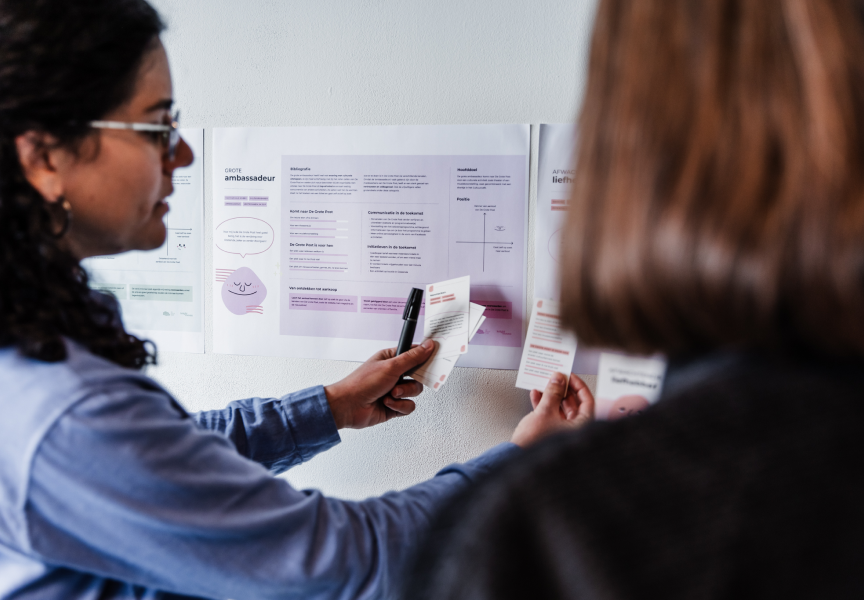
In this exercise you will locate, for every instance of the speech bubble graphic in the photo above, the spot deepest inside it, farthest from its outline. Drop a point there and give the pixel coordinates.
(244, 236)
(243, 292)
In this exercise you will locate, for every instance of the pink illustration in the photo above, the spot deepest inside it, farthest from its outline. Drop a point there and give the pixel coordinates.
(632, 404)
(243, 292)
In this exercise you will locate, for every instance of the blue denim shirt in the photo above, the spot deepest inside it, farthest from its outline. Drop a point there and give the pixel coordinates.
(109, 490)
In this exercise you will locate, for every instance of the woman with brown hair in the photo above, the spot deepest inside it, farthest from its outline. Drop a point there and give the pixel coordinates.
(718, 217)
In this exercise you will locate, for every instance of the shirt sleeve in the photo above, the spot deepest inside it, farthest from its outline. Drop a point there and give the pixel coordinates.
(278, 433)
(122, 486)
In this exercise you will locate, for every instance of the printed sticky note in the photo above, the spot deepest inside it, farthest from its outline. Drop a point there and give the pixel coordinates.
(547, 349)
(447, 318)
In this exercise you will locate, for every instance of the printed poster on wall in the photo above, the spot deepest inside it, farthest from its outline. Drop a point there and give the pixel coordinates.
(321, 232)
(555, 171)
(161, 292)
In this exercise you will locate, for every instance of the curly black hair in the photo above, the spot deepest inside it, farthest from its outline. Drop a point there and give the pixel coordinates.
(62, 63)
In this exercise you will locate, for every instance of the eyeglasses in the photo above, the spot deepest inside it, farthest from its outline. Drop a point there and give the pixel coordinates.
(169, 139)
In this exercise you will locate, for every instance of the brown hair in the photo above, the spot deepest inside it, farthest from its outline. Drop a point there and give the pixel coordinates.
(719, 197)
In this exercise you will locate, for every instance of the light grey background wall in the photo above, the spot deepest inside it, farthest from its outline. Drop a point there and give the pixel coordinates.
(371, 62)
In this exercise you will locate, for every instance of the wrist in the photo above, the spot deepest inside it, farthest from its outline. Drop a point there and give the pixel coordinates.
(334, 400)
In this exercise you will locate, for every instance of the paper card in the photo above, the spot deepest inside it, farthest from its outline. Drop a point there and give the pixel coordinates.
(477, 327)
(447, 319)
(547, 348)
(627, 385)
(435, 371)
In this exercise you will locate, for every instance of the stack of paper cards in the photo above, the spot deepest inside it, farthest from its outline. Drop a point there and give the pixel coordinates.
(451, 320)
(547, 348)
(627, 385)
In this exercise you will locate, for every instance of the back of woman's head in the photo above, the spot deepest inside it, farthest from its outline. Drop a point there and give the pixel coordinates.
(719, 197)
(63, 63)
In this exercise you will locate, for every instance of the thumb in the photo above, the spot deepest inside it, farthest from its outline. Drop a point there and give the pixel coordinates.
(414, 357)
(550, 401)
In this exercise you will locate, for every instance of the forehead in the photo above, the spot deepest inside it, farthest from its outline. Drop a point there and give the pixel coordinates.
(153, 83)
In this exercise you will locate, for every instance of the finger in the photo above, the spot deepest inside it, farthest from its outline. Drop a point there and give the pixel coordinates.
(400, 407)
(414, 357)
(385, 354)
(570, 405)
(407, 388)
(586, 400)
(550, 401)
(535, 395)
(584, 396)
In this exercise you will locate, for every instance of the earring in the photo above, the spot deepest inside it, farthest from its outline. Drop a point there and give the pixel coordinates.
(63, 203)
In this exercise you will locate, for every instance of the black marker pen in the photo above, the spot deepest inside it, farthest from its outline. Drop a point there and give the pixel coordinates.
(410, 314)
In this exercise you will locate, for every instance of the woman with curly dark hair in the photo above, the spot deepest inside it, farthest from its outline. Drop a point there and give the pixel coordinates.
(108, 488)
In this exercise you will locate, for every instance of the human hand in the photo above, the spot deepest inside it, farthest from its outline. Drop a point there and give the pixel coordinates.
(374, 392)
(554, 411)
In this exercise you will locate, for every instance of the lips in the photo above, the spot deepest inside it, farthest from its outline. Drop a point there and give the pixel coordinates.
(161, 207)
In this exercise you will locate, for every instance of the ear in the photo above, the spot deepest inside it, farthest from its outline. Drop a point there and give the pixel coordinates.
(38, 154)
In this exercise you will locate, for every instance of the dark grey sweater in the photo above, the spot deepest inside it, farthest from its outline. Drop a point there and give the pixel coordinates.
(746, 480)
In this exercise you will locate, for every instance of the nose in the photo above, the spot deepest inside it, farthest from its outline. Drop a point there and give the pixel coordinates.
(242, 288)
(183, 157)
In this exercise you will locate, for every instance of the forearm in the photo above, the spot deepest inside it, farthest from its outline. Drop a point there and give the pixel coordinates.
(276, 432)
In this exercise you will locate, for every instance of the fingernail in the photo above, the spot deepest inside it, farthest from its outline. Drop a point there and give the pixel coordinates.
(558, 379)
(428, 344)
(396, 393)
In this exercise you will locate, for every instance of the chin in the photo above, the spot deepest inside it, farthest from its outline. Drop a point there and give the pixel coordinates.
(153, 239)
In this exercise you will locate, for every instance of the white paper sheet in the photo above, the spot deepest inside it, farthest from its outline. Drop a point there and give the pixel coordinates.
(331, 227)
(627, 384)
(435, 371)
(555, 171)
(547, 349)
(447, 315)
(161, 292)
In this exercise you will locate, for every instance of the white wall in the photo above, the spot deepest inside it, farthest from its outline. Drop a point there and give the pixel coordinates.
(371, 62)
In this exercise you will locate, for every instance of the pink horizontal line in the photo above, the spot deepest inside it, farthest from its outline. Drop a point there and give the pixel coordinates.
(315, 253)
(313, 220)
(329, 270)
(542, 369)
(318, 228)
(312, 236)
(559, 208)
(543, 377)
(324, 262)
